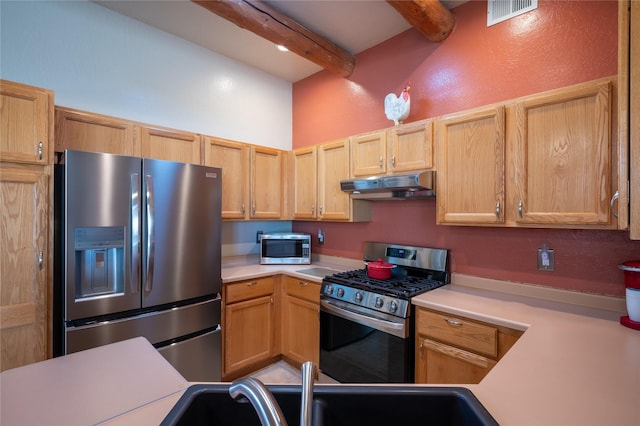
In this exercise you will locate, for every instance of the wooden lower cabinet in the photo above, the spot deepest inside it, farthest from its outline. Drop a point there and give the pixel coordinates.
(300, 325)
(249, 325)
(458, 350)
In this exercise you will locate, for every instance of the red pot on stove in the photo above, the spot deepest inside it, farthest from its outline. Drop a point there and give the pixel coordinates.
(631, 270)
(379, 270)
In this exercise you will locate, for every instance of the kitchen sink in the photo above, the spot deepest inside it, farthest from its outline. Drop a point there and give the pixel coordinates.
(318, 272)
(210, 404)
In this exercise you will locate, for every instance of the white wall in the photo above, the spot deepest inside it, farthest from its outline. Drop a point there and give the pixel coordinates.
(100, 61)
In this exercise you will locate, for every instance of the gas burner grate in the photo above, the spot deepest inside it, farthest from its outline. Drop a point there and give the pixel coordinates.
(402, 286)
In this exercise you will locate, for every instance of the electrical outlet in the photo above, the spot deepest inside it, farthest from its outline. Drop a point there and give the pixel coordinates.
(546, 259)
(258, 236)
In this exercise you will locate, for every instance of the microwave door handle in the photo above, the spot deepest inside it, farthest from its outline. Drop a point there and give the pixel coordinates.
(134, 227)
(396, 329)
(151, 236)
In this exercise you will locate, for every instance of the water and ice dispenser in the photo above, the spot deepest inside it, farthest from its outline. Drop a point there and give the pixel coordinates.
(99, 261)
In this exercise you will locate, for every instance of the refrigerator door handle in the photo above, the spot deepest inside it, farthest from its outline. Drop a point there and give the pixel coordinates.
(151, 238)
(135, 232)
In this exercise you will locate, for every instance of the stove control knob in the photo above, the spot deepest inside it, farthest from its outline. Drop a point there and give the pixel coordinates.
(340, 292)
(393, 306)
(379, 302)
(358, 297)
(328, 290)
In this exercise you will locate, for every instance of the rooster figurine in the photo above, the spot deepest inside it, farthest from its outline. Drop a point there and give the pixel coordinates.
(397, 107)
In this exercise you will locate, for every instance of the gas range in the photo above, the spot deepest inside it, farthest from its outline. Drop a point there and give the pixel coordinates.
(417, 270)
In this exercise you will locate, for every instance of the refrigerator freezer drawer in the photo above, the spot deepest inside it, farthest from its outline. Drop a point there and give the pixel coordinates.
(198, 359)
(158, 326)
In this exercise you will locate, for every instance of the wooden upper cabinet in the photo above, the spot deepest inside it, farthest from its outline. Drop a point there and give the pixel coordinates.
(471, 171)
(267, 183)
(25, 123)
(168, 144)
(563, 166)
(233, 158)
(85, 131)
(317, 172)
(333, 166)
(368, 154)
(305, 183)
(411, 147)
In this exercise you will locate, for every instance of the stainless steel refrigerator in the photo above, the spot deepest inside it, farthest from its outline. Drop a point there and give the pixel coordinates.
(138, 254)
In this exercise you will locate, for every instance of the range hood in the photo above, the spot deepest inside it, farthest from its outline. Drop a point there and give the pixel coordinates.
(414, 186)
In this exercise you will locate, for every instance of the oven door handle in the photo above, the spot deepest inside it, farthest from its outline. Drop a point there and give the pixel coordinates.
(389, 327)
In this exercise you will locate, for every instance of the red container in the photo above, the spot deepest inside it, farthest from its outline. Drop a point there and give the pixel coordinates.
(379, 270)
(631, 270)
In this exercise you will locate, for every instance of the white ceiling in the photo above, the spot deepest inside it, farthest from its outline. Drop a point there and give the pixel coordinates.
(354, 25)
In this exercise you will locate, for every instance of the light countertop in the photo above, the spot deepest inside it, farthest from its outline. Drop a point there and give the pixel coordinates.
(574, 365)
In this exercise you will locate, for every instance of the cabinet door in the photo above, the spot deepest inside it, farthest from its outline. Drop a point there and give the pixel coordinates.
(84, 131)
(301, 332)
(300, 323)
(266, 183)
(368, 154)
(411, 147)
(233, 158)
(563, 157)
(249, 332)
(171, 145)
(305, 181)
(471, 152)
(24, 123)
(333, 166)
(634, 121)
(23, 269)
(437, 363)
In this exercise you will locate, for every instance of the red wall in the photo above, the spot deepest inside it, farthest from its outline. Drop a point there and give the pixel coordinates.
(559, 44)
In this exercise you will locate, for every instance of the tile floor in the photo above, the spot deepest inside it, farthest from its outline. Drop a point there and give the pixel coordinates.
(283, 373)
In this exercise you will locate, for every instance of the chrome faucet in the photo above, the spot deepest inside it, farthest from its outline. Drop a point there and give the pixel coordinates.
(266, 406)
(262, 400)
(306, 397)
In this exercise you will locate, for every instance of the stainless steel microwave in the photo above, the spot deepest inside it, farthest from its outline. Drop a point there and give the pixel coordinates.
(285, 248)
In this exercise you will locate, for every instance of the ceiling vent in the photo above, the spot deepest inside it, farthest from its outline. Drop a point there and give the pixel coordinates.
(501, 10)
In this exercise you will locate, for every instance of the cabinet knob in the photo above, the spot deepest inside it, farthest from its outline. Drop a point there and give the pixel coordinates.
(313, 209)
(321, 209)
(520, 209)
(40, 260)
(253, 209)
(303, 283)
(393, 161)
(243, 208)
(498, 209)
(40, 150)
(421, 348)
(380, 162)
(252, 283)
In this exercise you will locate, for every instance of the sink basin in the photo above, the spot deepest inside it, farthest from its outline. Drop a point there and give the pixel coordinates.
(210, 404)
(318, 272)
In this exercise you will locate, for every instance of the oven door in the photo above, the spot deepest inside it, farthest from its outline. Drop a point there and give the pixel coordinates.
(356, 347)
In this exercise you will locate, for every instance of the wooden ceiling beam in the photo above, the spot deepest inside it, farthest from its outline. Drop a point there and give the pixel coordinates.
(266, 22)
(429, 17)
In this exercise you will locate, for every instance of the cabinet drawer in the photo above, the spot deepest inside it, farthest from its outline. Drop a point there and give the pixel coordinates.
(250, 289)
(460, 332)
(302, 289)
